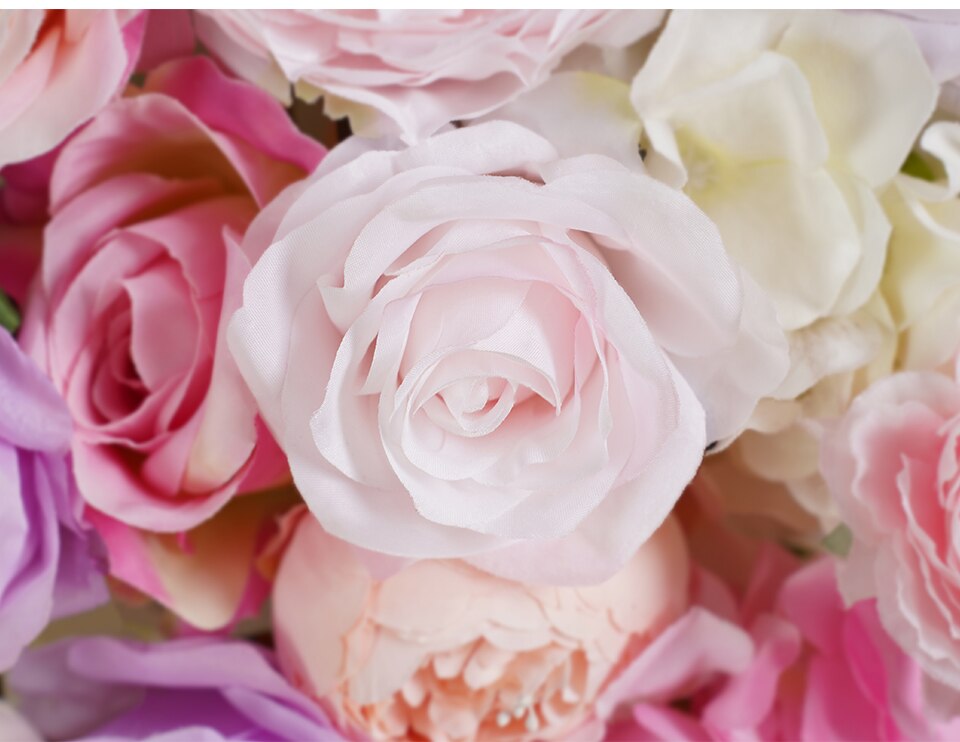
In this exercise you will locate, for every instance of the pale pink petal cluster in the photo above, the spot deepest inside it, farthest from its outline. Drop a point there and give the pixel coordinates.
(411, 71)
(893, 465)
(441, 650)
(786, 660)
(471, 347)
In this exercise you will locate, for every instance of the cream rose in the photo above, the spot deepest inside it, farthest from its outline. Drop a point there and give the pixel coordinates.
(918, 309)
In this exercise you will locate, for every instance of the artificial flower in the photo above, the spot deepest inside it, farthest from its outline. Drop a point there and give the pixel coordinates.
(441, 650)
(936, 32)
(474, 348)
(410, 71)
(785, 661)
(893, 466)
(140, 271)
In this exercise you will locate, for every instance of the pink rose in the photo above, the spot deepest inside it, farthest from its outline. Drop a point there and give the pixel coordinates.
(140, 273)
(57, 69)
(893, 466)
(411, 71)
(438, 343)
(441, 650)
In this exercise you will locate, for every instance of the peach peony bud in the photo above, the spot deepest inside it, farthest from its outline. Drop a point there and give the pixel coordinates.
(441, 650)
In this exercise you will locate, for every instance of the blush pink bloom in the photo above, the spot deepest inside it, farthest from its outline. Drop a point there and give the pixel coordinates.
(409, 71)
(893, 466)
(57, 69)
(437, 340)
(441, 650)
(714, 673)
(140, 273)
(786, 662)
(859, 685)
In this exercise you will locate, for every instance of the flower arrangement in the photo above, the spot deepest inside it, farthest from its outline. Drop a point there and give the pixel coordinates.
(479, 375)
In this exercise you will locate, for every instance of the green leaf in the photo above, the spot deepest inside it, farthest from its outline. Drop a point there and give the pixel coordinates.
(9, 316)
(839, 540)
(918, 168)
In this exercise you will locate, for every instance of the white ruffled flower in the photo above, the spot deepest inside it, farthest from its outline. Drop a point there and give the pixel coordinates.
(922, 276)
(782, 126)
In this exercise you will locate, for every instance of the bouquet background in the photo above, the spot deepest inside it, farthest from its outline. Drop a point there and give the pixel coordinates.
(479, 375)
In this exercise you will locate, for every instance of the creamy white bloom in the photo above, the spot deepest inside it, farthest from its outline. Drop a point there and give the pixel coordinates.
(918, 312)
(922, 276)
(774, 467)
(781, 126)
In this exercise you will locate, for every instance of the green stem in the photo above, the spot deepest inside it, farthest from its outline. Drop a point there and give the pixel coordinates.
(9, 316)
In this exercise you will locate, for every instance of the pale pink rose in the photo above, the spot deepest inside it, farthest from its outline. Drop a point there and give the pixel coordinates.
(893, 466)
(437, 341)
(441, 650)
(140, 273)
(789, 662)
(409, 71)
(57, 69)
